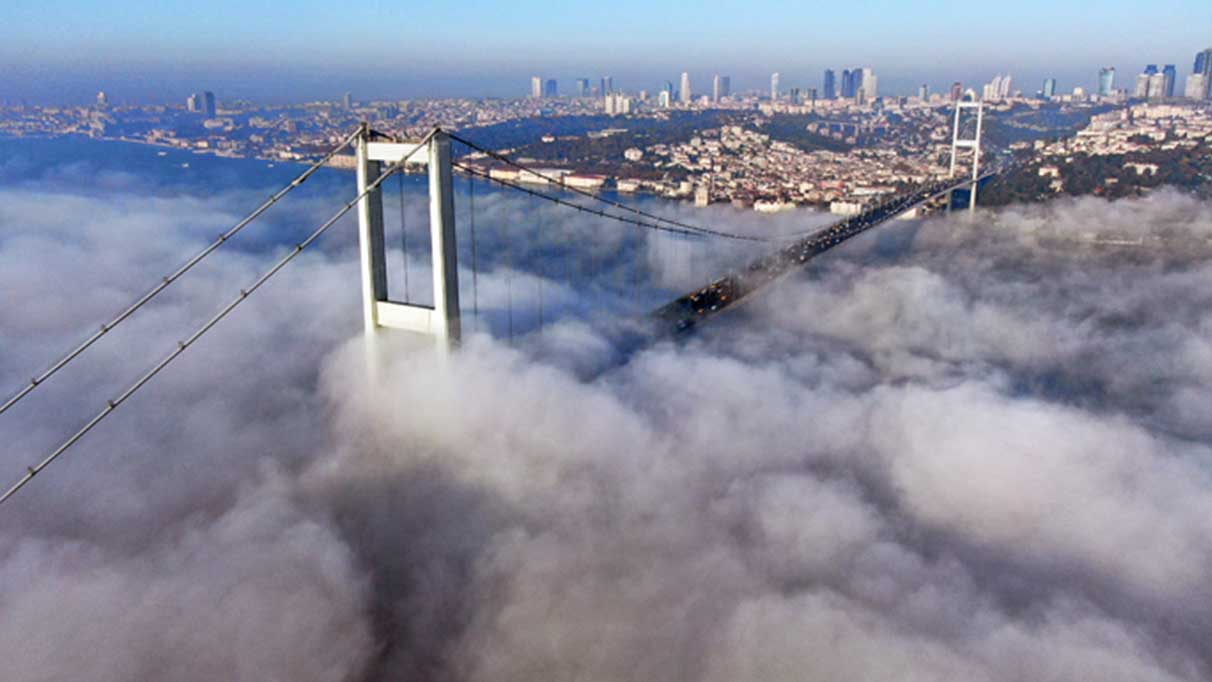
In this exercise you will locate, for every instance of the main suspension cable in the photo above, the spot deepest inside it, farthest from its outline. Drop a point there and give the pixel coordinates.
(616, 204)
(111, 405)
(169, 279)
(593, 211)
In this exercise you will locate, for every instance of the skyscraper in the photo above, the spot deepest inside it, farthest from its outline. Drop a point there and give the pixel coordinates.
(774, 86)
(551, 88)
(847, 84)
(1142, 86)
(1150, 69)
(602, 90)
(193, 103)
(830, 84)
(869, 85)
(1049, 90)
(957, 91)
(715, 88)
(347, 101)
(1203, 67)
(793, 95)
(1195, 86)
(685, 88)
(725, 86)
(582, 87)
(1169, 75)
(610, 84)
(1157, 85)
(923, 92)
(208, 104)
(536, 86)
(1106, 81)
(102, 100)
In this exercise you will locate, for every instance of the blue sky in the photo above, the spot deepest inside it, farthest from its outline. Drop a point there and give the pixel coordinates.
(141, 50)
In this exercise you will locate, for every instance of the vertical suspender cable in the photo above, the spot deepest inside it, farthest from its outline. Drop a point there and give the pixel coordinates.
(536, 252)
(403, 233)
(471, 217)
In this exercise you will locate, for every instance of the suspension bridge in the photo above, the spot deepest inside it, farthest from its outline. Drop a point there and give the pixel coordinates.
(622, 278)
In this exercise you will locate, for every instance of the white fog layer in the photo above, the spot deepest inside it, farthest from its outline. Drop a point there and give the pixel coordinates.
(953, 450)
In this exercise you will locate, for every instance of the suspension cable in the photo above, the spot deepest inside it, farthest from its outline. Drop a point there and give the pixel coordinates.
(403, 232)
(593, 211)
(616, 204)
(111, 405)
(475, 284)
(169, 279)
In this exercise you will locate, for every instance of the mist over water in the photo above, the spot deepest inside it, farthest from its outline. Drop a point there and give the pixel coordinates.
(949, 450)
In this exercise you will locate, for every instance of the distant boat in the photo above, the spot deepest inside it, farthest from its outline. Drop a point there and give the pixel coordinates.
(161, 153)
(269, 165)
(185, 165)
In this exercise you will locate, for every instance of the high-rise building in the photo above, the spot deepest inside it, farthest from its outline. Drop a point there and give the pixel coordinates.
(847, 84)
(923, 92)
(347, 101)
(1169, 75)
(1201, 60)
(550, 89)
(830, 84)
(684, 92)
(1157, 85)
(665, 99)
(997, 89)
(208, 104)
(193, 103)
(957, 91)
(1203, 67)
(1195, 86)
(1150, 69)
(610, 84)
(793, 95)
(536, 86)
(869, 84)
(725, 86)
(1106, 81)
(774, 86)
(715, 88)
(1142, 86)
(582, 87)
(602, 89)
(617, 104)
(102, 100)
(812, 96)
(1049, 90)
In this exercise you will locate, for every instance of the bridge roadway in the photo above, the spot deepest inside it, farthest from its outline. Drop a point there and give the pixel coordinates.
(726, 291)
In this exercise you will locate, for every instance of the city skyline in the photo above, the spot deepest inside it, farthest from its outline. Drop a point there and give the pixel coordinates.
(147, 53)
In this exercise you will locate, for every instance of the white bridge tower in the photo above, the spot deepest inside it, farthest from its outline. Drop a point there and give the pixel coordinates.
(441, 320)
(973, 143)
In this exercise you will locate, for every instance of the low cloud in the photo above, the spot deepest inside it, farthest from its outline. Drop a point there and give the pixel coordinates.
(948, 450)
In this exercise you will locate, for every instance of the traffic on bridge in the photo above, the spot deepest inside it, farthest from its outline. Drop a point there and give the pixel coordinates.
(724, 292)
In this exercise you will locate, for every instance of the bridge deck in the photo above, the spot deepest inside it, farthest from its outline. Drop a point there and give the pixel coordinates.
(734, 286)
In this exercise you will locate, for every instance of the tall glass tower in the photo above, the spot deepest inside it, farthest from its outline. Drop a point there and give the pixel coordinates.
(1106, 81)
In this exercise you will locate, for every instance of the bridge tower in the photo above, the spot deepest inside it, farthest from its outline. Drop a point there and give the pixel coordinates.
(973, 143)
(441, 320)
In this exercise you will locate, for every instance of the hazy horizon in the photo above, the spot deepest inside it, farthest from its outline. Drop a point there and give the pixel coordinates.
(142, 53)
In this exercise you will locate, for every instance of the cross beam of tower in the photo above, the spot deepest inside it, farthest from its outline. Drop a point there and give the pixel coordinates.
(441, 320)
